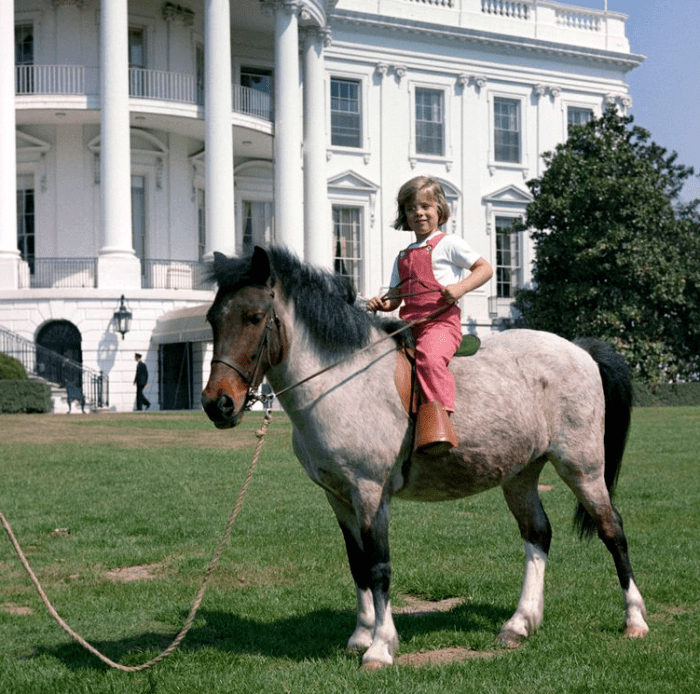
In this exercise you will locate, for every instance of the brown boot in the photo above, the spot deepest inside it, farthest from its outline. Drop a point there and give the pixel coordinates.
(435, 433)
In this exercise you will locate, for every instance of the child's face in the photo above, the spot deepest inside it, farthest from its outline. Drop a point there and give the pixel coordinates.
(422, 214)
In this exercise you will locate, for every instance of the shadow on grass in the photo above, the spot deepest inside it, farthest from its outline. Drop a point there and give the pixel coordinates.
(315, 635)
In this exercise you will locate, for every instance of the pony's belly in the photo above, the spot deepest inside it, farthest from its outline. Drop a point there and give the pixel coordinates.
(445, 479)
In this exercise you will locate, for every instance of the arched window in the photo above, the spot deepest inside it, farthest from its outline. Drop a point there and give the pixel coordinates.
(65, 340)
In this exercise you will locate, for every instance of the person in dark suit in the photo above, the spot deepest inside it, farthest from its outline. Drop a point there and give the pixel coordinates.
(140, 382)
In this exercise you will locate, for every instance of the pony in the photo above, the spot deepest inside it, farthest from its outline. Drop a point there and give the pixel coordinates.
(524, 399)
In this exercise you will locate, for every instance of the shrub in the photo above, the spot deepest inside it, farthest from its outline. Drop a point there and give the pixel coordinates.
(11, 368)
(24, 395)
(668, 394)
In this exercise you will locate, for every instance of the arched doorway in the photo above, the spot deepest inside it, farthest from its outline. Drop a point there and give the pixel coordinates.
(59, 340)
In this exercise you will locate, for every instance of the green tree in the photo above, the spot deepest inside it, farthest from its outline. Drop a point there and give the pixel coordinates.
(617, 255)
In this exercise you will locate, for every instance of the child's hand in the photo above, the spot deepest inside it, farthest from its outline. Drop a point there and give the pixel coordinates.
(379, 303)
(452, 293)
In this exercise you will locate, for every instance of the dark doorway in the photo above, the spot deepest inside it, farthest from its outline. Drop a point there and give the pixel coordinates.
(64, 341)
(175, 364)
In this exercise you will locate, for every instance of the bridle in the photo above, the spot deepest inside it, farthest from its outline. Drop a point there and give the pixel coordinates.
(253, 377)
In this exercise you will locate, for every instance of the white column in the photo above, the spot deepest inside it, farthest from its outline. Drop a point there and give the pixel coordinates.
(221, 228)
(289, 190)
(118, 267)
(318, 232)
(9, 255)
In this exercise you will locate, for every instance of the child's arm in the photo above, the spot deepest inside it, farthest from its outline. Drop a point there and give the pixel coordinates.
(481, 272)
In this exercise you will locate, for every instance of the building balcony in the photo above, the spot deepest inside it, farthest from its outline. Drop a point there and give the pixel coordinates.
(81, 273)
(35, 85)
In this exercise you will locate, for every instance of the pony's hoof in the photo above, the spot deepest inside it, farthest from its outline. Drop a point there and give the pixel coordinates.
(374, 665)
(509, 639)
(636, 632)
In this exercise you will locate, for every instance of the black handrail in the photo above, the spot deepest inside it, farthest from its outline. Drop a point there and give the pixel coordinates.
(55, 368)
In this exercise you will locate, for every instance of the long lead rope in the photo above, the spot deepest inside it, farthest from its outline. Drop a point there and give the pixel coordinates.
(200, 595)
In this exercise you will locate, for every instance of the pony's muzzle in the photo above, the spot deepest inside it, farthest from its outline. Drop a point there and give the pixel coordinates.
(221, 410)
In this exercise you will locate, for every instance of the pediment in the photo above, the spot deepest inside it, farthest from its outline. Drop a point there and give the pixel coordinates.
(140, 141)
(351, 181)
(510, 195)
(28, 143)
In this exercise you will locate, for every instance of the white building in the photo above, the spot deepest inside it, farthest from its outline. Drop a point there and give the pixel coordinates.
(139, 137)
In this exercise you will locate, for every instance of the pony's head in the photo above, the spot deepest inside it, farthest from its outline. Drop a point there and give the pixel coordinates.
(248, 335)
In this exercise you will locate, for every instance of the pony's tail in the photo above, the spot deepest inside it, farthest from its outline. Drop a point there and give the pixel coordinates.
(617, 387)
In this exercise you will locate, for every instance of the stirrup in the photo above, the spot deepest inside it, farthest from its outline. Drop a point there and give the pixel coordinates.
(435, 433)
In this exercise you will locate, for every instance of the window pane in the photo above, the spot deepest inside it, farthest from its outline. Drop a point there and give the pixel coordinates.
(578, 116)
(346, 113)
(25, 226)
(138, 215)
(201, 223)
(508, 258)
(347, 239)
(429, 122)
(507, 130)
(259, 79)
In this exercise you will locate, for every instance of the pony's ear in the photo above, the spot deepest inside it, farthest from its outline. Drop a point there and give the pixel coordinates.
(260, 269)
(219, 260)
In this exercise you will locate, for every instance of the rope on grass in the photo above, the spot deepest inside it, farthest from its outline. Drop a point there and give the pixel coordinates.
(200, 595)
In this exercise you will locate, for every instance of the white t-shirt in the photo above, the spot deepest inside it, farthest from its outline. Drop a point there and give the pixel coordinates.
(452, 257)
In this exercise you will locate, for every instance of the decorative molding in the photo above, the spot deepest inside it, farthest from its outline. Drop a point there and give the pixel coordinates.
(178, 13)
(314, 33)
(381, 69)
(400, 71)
(539, 90)
(68, 3)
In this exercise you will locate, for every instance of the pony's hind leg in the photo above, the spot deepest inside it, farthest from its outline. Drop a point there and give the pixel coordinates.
(595, 500)
(524, 502)
(367, 544)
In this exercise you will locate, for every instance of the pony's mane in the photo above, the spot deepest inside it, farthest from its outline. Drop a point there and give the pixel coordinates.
(324, 302)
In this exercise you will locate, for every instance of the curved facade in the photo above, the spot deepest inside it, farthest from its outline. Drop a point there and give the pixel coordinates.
(139, 137)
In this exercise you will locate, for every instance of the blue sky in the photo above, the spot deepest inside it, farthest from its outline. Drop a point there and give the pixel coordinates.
(666, 88)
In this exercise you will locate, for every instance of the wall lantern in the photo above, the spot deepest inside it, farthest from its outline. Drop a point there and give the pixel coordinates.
(122, 318)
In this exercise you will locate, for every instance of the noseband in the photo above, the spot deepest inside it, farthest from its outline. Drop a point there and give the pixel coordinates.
(253, 378)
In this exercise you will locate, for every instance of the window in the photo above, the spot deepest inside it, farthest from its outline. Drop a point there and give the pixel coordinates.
(507, 130)
(137, 61)
(430, 121)
(24, 58)
(138, 217)
(347, 239)
(199, 73)
(258, 79)
(257, 224)
(201, 224)
(508, 258)
(25, 224)
(578, 116)
(346, 113)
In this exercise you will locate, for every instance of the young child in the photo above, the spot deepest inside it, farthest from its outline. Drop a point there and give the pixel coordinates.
(429, 278)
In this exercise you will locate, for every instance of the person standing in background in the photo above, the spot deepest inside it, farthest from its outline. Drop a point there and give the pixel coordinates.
(140, 382)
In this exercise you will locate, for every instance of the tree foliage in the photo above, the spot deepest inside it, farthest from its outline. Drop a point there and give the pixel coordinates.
(617, 254)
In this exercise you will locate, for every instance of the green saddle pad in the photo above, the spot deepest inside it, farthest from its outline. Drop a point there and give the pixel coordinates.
(470, 345)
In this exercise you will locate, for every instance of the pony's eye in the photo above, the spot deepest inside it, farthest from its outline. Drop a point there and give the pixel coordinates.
(256, 318)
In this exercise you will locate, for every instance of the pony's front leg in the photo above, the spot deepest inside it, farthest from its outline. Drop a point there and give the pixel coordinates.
(368, 553)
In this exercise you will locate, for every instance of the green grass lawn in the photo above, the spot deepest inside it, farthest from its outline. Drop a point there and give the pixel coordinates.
(91, 497)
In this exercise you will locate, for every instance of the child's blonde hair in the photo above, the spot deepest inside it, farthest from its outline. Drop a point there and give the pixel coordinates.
(410, 189)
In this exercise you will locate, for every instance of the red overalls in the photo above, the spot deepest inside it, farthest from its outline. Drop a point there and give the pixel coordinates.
(437, 339)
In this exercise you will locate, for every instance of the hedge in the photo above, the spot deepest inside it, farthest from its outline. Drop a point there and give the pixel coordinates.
(20, 395)
(11, 368)
(667, 394)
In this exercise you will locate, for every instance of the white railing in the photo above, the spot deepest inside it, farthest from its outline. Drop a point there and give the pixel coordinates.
(576, 19)
(439, 3)
(162, 85)
(143, 84)
(252, 102)
(506, 8)
(49, 79)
